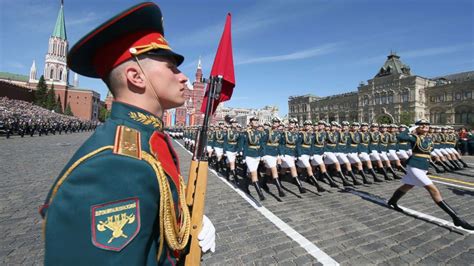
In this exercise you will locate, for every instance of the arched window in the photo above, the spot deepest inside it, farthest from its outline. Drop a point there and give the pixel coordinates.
(61, 74)
(51, 73)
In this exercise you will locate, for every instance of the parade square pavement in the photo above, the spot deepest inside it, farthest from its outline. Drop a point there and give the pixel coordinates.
(343, 226)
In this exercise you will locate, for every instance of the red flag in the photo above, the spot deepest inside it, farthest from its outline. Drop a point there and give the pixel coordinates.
(223, 66)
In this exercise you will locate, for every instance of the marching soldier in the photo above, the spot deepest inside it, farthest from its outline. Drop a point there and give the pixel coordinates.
(231, 148)
(304, 152)
(353, 140)
(271, 151)
(318, 148)
(374, 148)
(332, 141)
(363, 148)
(120, 199)
(342, 150)
(383, 149)
(219, 147)
(417, 167)
(251, 143)
(288, 151)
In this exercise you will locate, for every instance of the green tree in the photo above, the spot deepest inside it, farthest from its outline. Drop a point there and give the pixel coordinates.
(407, 118)
(58, 108)
(50, 102)
(103, 114)
(68, 110)
(384, 119)
(41, 92)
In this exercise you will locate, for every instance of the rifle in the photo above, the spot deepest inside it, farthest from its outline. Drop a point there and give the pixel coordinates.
(197, 181)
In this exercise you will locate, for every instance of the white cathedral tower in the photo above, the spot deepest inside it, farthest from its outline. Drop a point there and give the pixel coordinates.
(55, 69)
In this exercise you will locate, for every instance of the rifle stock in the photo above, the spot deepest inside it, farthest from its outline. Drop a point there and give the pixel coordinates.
(197, 181)
(195, 199)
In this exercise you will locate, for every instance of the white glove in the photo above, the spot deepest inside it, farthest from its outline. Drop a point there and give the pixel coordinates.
(207, 236)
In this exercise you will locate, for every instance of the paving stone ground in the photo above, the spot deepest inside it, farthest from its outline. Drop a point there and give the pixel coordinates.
(349, 228)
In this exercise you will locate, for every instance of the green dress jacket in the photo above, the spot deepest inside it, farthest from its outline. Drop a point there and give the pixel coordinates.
(105, 206)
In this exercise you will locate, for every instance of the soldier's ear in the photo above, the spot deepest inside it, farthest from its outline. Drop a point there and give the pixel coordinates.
(135, 77)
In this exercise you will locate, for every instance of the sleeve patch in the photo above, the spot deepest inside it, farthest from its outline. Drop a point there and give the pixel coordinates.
(115, 224)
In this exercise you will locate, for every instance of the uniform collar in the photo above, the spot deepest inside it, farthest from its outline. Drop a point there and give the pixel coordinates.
(137, 116)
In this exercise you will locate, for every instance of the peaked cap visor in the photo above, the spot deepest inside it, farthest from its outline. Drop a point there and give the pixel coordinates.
(107, 46)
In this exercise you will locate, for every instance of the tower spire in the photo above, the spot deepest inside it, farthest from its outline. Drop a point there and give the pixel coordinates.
(199, 71)
(33, 72)
(60, 27)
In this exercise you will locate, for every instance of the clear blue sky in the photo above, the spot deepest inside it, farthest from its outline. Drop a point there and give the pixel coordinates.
(281, 48)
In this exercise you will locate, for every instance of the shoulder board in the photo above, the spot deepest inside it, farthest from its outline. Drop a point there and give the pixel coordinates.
(127, 142)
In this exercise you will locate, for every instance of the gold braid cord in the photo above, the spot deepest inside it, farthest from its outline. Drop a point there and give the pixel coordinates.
(176, 234)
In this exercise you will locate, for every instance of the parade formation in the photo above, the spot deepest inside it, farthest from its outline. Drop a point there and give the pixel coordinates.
(347, 154)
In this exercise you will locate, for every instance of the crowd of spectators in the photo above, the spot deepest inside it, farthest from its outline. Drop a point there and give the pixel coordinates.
(25, 118)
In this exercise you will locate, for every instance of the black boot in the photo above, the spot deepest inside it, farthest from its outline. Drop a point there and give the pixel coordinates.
(464, 164)
(376, 179)
(395, 176)
(354, 179)
(331, 181)
(227, 173)
(364, 177)
(458, 221)
(437, 169)
(446, 166)
(300, 186)
(453, 163)
(263, 181)
(401, 168)
(315, 183)
(344, 180)
(384, 173)
(234, 177)
(279, 187)
(259, 190)
(245, 185)
(392, 202)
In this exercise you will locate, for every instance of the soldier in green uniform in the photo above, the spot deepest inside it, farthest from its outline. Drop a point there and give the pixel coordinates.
(317, 160)
(120, 200)
(363, 148)
(417, 167)
(383, 150)
(271, 151)
(231, 148)
(219, 146)
(332, 142)
(211, 138)
(342, 151)
(251, 143)
(288, 151)
(304, 151)
(374, 148)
